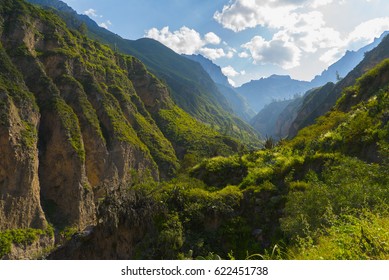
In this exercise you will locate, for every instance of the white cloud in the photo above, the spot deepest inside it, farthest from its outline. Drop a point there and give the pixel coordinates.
(243, 14)
(212, 53)
(231, 82)
(318, 3)
(362, 35)
(299, 27)
(106, 24)
(189, 41)
(183, 41)
(309, 32)
(274, 51)
(331, 56)
(243, 55)
(365, 32)
(230, 54)
(212, 38)
(229, 71)
(91, 13)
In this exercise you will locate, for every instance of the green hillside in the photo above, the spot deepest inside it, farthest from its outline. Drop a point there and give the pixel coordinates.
(322, 195)
(190, 86)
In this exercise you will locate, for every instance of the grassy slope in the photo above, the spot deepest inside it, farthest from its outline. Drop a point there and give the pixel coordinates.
(191, 87)
(323, 194)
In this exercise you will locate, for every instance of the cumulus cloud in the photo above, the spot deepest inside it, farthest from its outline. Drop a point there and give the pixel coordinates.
(229, 71)
(309, 32)
(243, 55)
(318, 3)
(231, 82)
(212, 38)
(91, 13)
(212, 53)
(362, 35)
(243, 14)
(365, 32)
(230, 54)
(183, 41)
(105, 24)
(331, 56)
(299, 28)
(274, 51)
(189, 41)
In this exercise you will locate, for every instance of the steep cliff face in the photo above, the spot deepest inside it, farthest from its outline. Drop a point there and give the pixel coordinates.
(79, 121)
(74, 115)
(19, 182)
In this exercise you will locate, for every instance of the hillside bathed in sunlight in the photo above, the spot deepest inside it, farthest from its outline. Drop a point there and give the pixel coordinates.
(242, 129)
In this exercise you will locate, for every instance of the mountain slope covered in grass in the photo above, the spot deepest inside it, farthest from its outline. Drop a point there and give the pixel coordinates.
(190, 86)
(321, 195)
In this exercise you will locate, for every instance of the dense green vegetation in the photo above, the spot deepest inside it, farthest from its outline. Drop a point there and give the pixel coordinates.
(322, 195)
(21, 237)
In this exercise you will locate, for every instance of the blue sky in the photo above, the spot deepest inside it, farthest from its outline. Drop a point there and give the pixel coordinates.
(249, 39)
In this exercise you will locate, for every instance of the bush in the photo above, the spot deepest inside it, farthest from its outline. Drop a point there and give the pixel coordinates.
(350, 238)
(346, 187)
(22, 237)
(220, 171)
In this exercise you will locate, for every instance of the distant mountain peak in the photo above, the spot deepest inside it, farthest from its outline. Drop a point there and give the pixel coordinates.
(345, 64)
(213, 70)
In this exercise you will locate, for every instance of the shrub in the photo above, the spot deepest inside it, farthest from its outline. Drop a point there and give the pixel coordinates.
(350, 238)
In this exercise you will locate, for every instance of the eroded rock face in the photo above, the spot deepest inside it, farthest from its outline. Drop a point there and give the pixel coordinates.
(77, 135)
(19, 182)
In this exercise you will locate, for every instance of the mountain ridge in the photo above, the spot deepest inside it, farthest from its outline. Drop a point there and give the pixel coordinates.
(236, 101)
(191, 87)
(260, 92)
